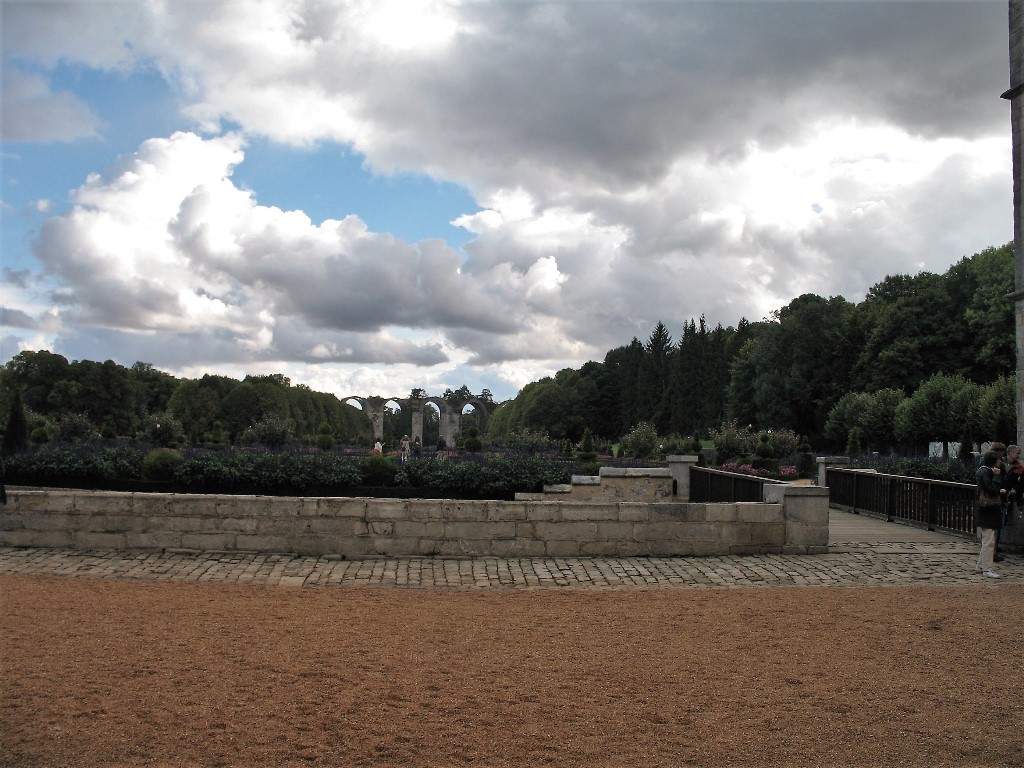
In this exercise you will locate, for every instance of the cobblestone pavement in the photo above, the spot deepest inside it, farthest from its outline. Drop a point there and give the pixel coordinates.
(847, 564)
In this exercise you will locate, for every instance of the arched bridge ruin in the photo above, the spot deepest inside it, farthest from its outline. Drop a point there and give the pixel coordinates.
(450, 422)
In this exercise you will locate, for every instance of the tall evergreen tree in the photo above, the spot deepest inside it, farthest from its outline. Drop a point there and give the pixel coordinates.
(16, 434)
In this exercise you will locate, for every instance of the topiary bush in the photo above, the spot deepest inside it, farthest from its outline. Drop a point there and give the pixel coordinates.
(586, 451)
(764, 455)
(324, 437)
(805, 460)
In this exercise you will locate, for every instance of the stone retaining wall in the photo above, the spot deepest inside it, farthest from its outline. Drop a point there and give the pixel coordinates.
(793, 520)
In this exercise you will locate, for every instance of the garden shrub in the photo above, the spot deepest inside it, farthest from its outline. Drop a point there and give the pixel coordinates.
(378, 471)
(641, 441)
(733, 441)
(324, 437)
(160, 464)
(164, 429)
(76, 426)
(272, 432)
(76, 463)
(950, 470)
(784, 442)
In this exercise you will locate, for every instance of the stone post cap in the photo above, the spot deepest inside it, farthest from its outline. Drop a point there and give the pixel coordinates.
(684, 459)
(833, 460)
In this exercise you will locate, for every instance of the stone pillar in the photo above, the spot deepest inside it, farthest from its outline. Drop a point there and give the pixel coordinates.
(1013, 536)
(451, 427)
(829, 461)
(679, 466)
(805, 509)
(417, 425)
(377, 417)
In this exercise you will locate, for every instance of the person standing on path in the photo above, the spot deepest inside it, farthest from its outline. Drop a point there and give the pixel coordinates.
(1014, 484)
(988, 510)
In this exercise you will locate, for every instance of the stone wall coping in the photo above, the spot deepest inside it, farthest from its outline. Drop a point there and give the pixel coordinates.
(558, 488)
(833, 460)
(586, 480)
(636, 472)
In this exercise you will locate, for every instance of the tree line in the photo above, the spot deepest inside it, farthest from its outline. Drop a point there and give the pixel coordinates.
(922, 357)
(55, 399)
(791, 370)
(83, 398)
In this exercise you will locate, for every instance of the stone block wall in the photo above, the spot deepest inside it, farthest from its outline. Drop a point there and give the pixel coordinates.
(795, 521)
(613, 484)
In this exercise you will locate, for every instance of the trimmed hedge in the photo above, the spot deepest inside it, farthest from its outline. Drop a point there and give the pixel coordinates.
(284, 472)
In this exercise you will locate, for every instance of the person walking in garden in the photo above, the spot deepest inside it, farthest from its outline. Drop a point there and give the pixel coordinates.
(988, 509)
(405, 447)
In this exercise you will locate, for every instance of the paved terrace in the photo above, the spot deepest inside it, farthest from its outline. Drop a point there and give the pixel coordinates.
(863, 552)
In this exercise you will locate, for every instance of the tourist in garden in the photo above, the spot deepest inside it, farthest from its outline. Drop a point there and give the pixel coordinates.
(989, 509)
(1014, 484)
(405, 447)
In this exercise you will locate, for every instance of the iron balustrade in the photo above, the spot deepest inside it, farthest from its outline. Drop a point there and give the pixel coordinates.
(716, 485)
(931, 504)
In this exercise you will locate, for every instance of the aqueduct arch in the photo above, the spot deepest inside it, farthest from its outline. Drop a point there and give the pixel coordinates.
(450, 425)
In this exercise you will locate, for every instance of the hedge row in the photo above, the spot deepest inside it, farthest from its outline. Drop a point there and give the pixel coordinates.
(284, 472)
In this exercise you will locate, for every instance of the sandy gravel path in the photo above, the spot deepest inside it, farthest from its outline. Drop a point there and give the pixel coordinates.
(133, 673)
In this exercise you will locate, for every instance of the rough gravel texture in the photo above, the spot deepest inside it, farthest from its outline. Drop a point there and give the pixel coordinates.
(127, 673)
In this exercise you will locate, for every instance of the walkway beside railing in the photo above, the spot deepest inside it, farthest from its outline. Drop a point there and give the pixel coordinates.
(931, 504)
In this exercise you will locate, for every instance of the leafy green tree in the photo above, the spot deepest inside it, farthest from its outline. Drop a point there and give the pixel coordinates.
(930, 413)
(989, 312)
(997, 410)
(34, 374)
(846, 415)
(911, 333)
(255, 399)
(153, 388)
(196, 405)
(878, 419)
(107, 392)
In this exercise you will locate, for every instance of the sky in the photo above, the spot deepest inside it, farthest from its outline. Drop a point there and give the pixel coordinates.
(371, 196)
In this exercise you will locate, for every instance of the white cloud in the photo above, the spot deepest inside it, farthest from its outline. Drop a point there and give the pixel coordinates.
(636, 162)
(32, 112)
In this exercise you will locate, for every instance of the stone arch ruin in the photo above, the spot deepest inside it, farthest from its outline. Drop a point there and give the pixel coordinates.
(450, 425)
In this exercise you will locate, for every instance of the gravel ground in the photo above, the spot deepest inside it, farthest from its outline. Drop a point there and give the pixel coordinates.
(131, 673)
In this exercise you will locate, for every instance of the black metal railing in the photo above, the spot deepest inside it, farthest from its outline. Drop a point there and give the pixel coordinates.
(715, 485)
(931, 504)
